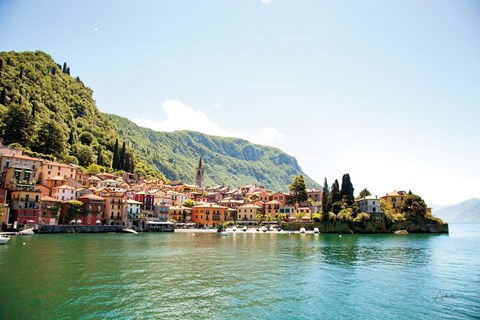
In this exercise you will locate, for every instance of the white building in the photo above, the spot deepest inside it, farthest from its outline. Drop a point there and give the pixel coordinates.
(371, 205)
(64, 193)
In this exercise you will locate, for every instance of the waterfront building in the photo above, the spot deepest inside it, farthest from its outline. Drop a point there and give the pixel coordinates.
(146, 199)
(247, 214)
(50, 210)
(4, 207)
(315, 194)
(94, 208)
(17, 177)
(21, 162)
(82, 178)
(371, 205)
(25, 205)
(160, 212)
(288, 210)
(180, 214)
(210, 215)
(306, 213)
(113, 213)
(395, 198)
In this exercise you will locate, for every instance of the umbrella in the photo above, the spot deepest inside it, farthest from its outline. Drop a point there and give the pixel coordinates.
(30, 221)
(79, 221)
(98, 222)
(73, 221)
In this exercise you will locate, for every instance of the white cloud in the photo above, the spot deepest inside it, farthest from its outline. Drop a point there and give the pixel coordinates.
(217, 105)
(179, 116)
(265, 1)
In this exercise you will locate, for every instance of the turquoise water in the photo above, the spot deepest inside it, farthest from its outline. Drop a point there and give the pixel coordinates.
(249, 276)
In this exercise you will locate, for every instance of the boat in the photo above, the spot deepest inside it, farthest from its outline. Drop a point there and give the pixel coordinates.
(264, 229)
(270, 229)
(316, 230)
(3, 239)
(234, 228)
(302, 230)
(223, 233)
(244, 229)
(128, 230)
(26, 232)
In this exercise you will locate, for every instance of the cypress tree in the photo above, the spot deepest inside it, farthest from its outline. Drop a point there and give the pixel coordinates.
(122, 157)
(64, 69)
(346, 191)
(115, 160)
(3, 97)
(68, 71)
(325, 193)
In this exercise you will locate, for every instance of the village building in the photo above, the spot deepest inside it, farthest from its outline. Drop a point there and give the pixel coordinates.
(371, 205)
(50, 210)
(210, 215)
(247, 214)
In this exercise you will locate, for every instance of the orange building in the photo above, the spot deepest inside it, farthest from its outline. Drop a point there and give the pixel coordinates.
(210, 215)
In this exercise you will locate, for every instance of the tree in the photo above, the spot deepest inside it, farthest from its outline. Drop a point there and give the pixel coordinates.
(413, 206)
(260, 218)
(18, 125)
(94, 169)
(281, 216)
(298, 190)
(325, 193)
(334, 196)
(317, 217)
(121, 158)
(299, 215)
(189, 203)
(84, 154)
(50, 139)
(116, 158)
(3, 97)
(364, 193)
(75, 209)
(64, 69)
(346, 192)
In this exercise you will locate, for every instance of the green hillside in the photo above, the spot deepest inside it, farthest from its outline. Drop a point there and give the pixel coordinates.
(230, 161)
(53, 115)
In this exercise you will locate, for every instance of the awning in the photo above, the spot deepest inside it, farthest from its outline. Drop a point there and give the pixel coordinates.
(98, 222)
(30, 221)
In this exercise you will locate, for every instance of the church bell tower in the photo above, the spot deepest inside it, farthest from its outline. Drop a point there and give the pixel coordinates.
(200, 178)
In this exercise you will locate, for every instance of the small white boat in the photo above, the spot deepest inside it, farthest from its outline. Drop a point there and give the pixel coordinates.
(316, 230)
(234, 228)
(302, 230)
(3, 239)
(26, 232)
(264, 229)
(270, 229)
(128, 230)
(244, 229)
(223, 233)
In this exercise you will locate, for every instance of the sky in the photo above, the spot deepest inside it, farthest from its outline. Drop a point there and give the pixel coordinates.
(387, 91)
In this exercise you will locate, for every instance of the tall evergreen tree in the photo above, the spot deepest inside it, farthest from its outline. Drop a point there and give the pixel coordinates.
(64, 69)
(99, 156)
(116, 157)
(298, 190)
(334, 195)
(68, 71)
(3, 97)
(346, 192)
(122, 157)
(325, 193)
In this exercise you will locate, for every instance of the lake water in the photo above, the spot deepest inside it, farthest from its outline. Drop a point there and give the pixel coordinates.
(267, 275)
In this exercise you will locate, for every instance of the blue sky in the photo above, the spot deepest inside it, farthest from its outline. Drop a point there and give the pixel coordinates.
(387, 91)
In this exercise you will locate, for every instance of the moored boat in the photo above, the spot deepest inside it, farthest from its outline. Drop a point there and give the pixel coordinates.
(3, 239)
(128, 230)
(26, 232)
(302, 230)
(316, 230)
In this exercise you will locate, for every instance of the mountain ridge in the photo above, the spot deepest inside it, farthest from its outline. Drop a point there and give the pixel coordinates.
(467, 211)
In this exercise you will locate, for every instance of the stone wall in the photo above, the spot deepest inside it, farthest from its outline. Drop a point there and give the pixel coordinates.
(77, 229)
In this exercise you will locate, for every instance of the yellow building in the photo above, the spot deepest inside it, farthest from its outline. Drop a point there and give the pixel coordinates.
(52, 169)
(395, 198)
(247, 214)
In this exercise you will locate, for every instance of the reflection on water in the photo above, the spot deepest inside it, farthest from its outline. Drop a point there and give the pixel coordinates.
(240, 276)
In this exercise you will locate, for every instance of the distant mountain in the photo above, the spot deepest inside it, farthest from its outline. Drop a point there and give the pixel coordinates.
(464, 212)
(229, 161)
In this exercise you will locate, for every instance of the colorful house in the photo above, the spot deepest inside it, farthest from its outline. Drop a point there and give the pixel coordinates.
(272, 208)
(395, 198)
(210, 215)
(4, 208)
(25, 205)
(50, 210)
(247, 214)
(94, 208)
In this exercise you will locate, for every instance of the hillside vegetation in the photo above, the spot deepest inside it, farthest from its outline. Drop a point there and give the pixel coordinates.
(53, 115)
(230, 161)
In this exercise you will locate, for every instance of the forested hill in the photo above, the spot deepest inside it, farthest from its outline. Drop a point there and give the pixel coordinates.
(231, 161)
(52, 115)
